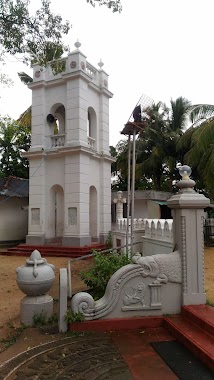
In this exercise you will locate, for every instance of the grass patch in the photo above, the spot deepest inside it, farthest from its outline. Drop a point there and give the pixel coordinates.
(15, 332)
(209, 303)
(41, 320)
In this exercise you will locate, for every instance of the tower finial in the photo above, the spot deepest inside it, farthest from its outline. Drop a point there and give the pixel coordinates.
(100, 64)
(77, 44)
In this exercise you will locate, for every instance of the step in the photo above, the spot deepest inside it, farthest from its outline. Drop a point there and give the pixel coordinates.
(71, 255)
(198, 341)
(201, 315)
(47, 248)
(55, 251)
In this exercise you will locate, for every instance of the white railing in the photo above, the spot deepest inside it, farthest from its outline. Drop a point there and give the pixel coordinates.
(121, 224)
(91, 142)
(57, 140)
(159, 229)
(91, 70)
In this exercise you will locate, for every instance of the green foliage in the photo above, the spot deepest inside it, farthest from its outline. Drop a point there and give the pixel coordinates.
(198, 144)
(71, 317)
(58, 66)
(33, 36)
(210, 303)
(109, 240)
(53, 319)
(15, 332)
(162, 144)
(14, 139)
(38, 37)
(41, 319)
(115, 5)
(105, 265)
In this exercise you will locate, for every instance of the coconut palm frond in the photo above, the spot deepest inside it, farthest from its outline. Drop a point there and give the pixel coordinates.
(184, 141)
(200, 112)
(179, 109)
(25, 78)
(193, 157)
(206, 168)
(25, 118)
(203, 136)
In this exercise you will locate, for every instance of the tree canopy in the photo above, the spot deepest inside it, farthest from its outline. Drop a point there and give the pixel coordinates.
(115, 6)
(166, 141)
(38, 38)
(198, 144)
(33, 36)
(14, 139)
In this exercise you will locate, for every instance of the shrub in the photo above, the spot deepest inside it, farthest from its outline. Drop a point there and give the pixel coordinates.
(71, 317)
(105, 265)
(109, 240)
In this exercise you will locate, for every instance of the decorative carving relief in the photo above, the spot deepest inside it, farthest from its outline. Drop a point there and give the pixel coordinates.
(72, 216)
(37, 74)
(134, 295)
(82, 65)
(134, 298)
(164, 267)
(122, 288)
(183, 247)
(35, 216)
(73, 64)
(202, 250)
(155, 296)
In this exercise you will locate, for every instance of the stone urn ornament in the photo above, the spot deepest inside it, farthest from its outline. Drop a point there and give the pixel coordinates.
(35, 278)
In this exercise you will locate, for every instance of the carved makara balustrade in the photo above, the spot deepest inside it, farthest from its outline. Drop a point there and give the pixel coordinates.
(141, 288)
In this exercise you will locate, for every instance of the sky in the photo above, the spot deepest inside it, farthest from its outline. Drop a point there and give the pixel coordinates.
(160, 48)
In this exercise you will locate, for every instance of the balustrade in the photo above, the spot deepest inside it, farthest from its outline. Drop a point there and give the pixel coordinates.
(91, 142)
(159, 229)
(91, 70)
(57, 140)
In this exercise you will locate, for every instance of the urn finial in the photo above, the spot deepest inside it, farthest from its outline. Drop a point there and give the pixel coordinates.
(185, 184)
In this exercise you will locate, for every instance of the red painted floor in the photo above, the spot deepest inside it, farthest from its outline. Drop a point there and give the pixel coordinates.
(142, 360)
(194, 328)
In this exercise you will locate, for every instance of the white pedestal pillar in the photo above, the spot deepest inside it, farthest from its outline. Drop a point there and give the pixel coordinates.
(188, 220)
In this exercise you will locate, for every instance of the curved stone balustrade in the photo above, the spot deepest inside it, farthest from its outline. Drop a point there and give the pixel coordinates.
(149, 286)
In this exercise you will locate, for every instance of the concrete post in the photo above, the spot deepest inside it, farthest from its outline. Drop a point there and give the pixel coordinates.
(119, 205)
(188, 219)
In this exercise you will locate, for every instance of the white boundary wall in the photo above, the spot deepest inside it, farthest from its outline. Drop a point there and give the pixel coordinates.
(155, 235)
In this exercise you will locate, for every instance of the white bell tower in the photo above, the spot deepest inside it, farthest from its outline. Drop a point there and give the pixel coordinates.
(70, 163)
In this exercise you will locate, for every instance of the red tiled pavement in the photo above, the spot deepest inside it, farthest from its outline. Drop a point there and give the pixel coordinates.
(142, 360)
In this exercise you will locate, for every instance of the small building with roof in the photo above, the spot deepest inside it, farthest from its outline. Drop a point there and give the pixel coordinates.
(14, 194)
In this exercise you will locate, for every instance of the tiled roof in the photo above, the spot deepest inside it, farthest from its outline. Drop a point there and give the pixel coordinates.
(14, 187)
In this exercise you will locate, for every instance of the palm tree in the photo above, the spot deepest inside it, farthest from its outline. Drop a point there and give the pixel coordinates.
(25, 118)
(198, 141)
(158, 142)
(156, 154)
